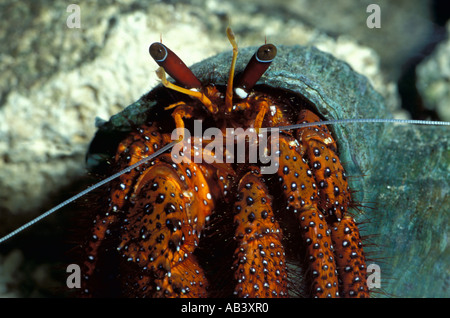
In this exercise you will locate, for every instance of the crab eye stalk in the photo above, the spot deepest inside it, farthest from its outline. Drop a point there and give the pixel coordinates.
(173, 65)
(256, 67)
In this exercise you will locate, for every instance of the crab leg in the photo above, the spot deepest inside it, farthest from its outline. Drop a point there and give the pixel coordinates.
(335, 198)
(260, 265)
(350, 259)
(137, 146)
(171, 203)
(320, 147)
(300, 190)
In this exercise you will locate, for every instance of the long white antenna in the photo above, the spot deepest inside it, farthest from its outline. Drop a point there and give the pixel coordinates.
(363, 120)
(82, 193)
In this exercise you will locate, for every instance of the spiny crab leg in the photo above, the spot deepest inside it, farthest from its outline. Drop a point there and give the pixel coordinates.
(300, 192)
(258, 235)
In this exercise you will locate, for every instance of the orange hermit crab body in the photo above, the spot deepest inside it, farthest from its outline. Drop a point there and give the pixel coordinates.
(181, 226)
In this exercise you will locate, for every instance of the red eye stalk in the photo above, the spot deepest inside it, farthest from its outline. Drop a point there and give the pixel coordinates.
(173, 65)
(256, 67)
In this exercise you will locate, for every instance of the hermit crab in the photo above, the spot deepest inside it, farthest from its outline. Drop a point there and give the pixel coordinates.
(225, 182)
(194, 223)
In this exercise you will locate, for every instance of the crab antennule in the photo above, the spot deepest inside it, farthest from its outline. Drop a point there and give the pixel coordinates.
(255, 68)
(173, 65)
(160, 72)
(229, 93)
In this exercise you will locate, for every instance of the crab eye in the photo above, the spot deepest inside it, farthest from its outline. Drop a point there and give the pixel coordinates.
(158, 52)
(173, 65)
(266, 53)
(255, 68)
